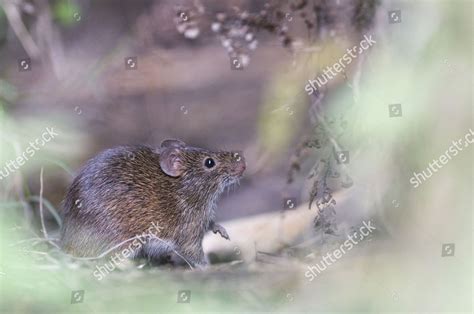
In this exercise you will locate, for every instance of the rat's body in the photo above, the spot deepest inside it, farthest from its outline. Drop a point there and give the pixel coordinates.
(124, 192)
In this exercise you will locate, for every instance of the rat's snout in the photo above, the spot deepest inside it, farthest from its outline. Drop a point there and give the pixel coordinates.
(238, 163)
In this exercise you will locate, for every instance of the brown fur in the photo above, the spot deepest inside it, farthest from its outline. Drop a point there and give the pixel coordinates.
(122, 191)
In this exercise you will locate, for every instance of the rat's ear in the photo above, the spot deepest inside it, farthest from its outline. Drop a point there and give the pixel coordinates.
(172, 143)
(171, 162)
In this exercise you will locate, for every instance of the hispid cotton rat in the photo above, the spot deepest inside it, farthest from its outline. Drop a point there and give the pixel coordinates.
(123, 192)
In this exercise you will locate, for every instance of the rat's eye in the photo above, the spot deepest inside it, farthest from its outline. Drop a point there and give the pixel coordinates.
(209, 163)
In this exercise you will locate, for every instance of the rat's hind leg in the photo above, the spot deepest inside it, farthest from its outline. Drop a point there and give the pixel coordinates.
(195, 256)
(156, 252)
(160, 252)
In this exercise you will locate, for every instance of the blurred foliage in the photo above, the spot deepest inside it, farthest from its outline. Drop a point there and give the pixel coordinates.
(3, 26)
(286, 103)
(8, 93)
(66, 12)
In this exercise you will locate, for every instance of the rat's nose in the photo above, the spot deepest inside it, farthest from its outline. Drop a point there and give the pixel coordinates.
(238, 165)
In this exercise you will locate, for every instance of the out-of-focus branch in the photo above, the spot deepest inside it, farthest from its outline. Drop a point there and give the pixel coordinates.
(12, 12)
(43, 226)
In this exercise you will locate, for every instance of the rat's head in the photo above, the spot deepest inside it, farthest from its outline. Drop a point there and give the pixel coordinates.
(203, 169)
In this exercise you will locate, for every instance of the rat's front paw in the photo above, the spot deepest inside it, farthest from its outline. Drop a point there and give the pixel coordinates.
(216, 228)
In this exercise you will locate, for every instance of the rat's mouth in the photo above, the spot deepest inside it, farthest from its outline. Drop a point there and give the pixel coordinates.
(238, 170)
(231, 180)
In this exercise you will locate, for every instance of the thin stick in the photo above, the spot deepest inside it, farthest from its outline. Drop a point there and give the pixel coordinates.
(45, 232)
(31, 240)
(49, 206)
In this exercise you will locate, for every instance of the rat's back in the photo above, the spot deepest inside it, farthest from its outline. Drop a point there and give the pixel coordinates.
(101, 205)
